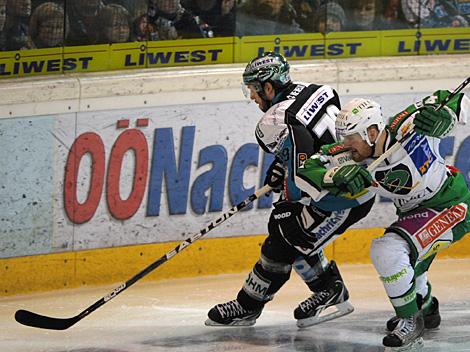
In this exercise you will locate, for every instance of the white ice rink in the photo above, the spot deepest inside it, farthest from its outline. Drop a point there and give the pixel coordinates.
(169, 316)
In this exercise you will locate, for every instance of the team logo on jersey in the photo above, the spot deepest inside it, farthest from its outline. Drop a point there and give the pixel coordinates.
(301, 159)
(420, 153)
(396, 180)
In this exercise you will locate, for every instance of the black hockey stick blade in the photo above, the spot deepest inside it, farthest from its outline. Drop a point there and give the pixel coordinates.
(34, 320)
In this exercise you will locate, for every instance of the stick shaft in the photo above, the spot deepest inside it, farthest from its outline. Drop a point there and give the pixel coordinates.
(40, 321)
(453, 93)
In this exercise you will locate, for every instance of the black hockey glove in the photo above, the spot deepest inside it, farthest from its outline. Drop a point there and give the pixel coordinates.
(275, 175)
(288, 217)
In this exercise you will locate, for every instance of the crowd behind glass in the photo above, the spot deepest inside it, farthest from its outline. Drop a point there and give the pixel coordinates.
(29, 24)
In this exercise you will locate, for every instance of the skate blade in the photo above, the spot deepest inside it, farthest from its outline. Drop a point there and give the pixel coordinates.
(342, 309)
(416, 345)
(210, 322)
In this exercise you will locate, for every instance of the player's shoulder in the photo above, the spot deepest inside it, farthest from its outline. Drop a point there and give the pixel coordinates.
(275, 115)
(397, 121)
(277, 112)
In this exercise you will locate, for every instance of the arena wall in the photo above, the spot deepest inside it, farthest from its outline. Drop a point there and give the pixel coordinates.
(103, 173)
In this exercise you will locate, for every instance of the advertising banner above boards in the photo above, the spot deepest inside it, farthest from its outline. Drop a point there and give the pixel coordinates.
(232, 50)
(89, 180)
(103, 57)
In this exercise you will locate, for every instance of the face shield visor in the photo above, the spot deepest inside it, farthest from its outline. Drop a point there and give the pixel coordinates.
(255, 85)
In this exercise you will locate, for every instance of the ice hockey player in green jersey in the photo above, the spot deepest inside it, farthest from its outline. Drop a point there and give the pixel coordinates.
(431, 198)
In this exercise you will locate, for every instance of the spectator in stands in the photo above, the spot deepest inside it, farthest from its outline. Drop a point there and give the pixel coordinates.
(84, 21)
(306, 10)
(47, 27)
(3, 17)
(329, 17)
(136, 8)
(143, 29)
(16, 25)
(365, 15)
(414, 12)
(257, 17)
(393, 17)
(3, 13)
(173, 21)
(218, 14)
(433, 13)
(444, 13)
(115, 25)
(459, 21)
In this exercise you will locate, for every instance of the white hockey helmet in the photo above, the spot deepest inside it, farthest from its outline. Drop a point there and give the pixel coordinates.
(271, 132)
(357, 116)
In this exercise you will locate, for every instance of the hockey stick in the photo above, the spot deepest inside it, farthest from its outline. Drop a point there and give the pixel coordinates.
(400, 142)
(28, 318)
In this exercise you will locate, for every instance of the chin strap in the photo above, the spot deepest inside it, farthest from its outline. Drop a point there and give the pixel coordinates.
(378, 150)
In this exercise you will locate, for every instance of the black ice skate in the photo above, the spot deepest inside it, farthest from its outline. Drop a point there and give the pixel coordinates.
(407, 335)
(432, 319)
(232, 314)
(329, 301)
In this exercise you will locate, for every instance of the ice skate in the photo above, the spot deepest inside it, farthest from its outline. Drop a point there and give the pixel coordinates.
(232, 314)
(432, 319)
(324, 305)
(407, 335)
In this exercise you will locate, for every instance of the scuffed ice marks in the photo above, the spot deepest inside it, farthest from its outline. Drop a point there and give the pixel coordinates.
(260, 339)
(93, 349)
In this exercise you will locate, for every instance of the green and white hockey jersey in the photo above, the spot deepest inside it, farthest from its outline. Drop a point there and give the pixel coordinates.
(416, 174)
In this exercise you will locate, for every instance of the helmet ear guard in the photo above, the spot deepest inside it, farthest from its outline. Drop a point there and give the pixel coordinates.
(357, 116)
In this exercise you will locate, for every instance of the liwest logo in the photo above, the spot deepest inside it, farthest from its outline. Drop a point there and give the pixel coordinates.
(28, 66)
(168, 57)
(314, 104)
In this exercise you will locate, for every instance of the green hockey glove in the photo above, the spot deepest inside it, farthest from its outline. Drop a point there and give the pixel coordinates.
(434, 123)
(348, 178)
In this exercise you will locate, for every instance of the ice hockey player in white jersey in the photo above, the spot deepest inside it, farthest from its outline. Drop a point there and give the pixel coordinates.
(431, 198)
(298, 120)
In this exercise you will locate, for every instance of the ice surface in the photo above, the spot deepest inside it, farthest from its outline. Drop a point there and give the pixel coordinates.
(169, 316)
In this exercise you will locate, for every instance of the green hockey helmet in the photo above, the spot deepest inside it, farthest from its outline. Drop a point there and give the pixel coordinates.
(270, 67)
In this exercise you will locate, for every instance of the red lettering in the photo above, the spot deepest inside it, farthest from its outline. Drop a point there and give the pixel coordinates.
(86, 143)
(440, 224)
(128, 140)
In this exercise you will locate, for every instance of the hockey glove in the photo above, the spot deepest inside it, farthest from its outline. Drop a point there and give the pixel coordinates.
(286, 216)
(433, 123)
(348, 178)
(275, 175)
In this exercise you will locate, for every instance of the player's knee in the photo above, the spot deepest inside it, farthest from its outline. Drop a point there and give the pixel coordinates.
(389, 254)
